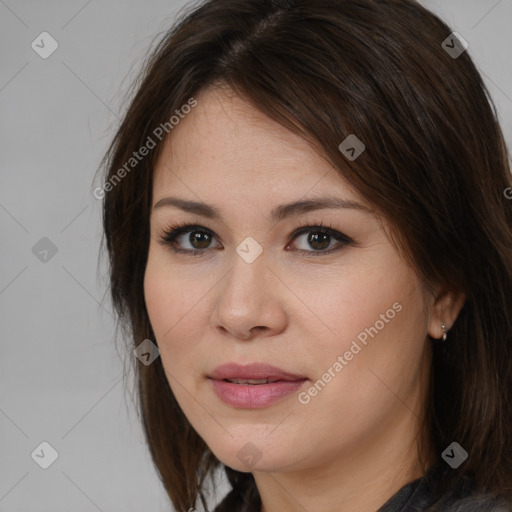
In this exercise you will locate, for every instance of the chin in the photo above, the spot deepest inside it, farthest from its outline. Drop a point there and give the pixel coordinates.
(254, 453)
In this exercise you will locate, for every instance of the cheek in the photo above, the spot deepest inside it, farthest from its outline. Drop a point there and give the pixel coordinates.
(165, 309)
(172, 302)
(159, 298)
(169, 294)
(349, 303)
(376, 323)
(380, 359)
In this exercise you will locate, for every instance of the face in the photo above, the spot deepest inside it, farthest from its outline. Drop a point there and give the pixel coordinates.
(319, 294)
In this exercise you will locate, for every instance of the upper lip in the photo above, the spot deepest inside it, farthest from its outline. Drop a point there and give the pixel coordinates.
(252, 371)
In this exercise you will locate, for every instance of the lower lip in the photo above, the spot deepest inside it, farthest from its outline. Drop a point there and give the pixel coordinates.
(249, 396)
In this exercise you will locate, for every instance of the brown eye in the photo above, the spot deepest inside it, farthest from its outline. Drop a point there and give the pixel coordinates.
(199, 239)
(202, 239)
(319, 239)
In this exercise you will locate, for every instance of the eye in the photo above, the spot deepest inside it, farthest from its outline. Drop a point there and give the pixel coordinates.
(198, 237)
(319, 239)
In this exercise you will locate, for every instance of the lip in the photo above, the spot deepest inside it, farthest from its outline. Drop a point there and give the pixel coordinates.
(252, 396)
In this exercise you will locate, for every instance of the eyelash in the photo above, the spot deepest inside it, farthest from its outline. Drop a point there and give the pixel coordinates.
(167, 238)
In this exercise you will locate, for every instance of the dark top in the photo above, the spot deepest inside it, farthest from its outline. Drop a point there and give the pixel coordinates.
(416, 496)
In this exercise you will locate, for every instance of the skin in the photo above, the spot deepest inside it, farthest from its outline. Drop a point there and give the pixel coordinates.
(354, 444)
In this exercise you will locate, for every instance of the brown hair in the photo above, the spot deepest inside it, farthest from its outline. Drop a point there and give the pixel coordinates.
(435, 166)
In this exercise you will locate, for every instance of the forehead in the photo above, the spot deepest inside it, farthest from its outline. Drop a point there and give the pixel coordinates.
(226, 146)
(224, 127)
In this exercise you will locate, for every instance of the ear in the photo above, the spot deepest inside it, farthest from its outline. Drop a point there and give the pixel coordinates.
(445, 308)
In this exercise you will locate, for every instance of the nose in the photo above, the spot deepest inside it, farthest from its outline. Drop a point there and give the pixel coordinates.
(248, 301)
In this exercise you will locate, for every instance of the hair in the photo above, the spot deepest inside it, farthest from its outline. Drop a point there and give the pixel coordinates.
(435, 166)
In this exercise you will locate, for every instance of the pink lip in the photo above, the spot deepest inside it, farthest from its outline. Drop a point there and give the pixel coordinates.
(251, 396)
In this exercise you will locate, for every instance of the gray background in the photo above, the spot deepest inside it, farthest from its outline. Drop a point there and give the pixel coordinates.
(60, 372)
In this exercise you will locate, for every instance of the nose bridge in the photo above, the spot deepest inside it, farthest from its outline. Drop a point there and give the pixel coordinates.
(244, 300)
(247, 278)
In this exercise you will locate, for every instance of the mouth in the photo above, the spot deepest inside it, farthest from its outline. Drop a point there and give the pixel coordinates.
(254, 373)
(252, 382)
(253, 386)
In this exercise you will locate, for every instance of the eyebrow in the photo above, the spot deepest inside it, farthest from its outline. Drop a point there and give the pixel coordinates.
(277, 214)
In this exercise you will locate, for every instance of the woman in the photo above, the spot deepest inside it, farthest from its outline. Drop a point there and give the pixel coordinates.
(305, 210)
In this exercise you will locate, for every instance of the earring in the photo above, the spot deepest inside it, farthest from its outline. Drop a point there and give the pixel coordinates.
(445, 332)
